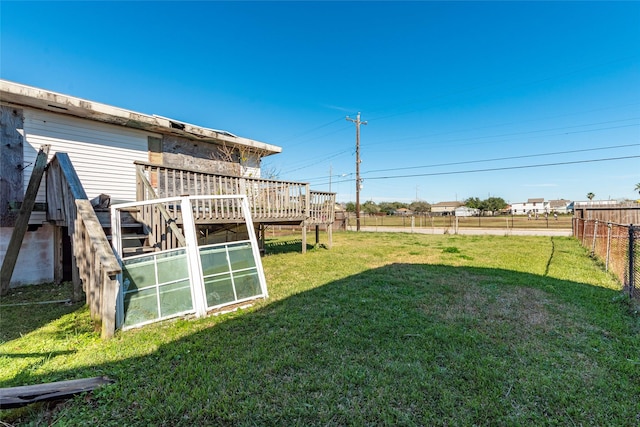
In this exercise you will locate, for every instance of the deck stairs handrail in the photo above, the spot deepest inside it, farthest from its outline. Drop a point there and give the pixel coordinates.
(95, 266)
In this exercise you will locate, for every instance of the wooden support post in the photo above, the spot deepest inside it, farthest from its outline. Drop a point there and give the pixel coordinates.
(22, 222)
(304, 237)
(262, 238)
(330, 234)
(317, 234)
(58, 270)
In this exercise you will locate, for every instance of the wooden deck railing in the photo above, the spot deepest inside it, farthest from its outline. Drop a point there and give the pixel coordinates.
(95, 266)
(269, 200)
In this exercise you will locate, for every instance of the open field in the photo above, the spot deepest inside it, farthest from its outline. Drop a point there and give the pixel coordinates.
(384, 329)
(501, 221)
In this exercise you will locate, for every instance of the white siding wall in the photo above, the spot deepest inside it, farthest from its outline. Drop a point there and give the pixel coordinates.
(101, 154)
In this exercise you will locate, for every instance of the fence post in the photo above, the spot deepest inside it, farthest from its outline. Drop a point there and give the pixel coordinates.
(631, 261)
(595, 235)
(606, 264)
(584, 231)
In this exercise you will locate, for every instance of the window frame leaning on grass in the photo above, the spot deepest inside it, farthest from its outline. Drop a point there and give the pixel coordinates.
(187, 280)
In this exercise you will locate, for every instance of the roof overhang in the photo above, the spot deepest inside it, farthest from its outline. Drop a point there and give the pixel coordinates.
(27, 96)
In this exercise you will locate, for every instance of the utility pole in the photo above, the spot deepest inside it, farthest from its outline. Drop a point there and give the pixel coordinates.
(358, 180)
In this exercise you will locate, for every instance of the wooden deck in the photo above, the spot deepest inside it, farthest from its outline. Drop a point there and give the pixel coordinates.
(270, 201)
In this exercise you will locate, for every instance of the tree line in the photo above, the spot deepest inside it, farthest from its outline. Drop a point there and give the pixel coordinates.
(389, 208)
(491, 204)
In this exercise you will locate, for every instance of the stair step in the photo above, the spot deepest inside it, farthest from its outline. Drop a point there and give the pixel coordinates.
(137, 250)
(130, 237)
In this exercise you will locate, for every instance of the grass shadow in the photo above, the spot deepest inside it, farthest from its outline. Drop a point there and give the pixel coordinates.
(28, 308)
(403, 344)
(275, 246)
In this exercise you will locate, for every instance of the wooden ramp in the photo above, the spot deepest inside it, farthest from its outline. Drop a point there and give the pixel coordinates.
(15, 397)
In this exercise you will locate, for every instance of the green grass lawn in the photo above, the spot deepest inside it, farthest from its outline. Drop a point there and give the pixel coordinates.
(383, 329)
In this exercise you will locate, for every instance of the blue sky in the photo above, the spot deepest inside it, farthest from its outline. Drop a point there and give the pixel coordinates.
(463, 99)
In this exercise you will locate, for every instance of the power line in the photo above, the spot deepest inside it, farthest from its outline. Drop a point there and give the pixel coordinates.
(494, 169)
(505, 158)
(524, 156)
(316, 161)
(506, 168)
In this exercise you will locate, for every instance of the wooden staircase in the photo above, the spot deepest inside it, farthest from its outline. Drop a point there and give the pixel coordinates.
(135, 237)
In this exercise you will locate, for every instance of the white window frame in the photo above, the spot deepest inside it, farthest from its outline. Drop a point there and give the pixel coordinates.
(196, 279)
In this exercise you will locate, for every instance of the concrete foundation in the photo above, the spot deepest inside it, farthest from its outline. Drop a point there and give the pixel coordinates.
(36, 260)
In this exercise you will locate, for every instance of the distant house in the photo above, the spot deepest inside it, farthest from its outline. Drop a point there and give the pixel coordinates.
(463, 211)
(561, 206)
(445, 208)
(531, 206)
(403, 212)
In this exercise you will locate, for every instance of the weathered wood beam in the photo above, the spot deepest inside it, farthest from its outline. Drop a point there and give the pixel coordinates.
(22, 222)
(14, 397)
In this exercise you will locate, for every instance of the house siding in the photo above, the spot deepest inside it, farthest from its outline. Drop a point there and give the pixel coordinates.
(102, 154)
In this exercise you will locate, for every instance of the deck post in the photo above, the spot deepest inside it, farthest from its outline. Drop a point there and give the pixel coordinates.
(330, 234)
(303, 224)
(261, 237)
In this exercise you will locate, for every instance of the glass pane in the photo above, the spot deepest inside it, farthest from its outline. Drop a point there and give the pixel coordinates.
(214, 260)
(219, 290)
(139, 273)
(173, 266)
(175, 298)
(247, 283)
(241, 256)
(140, 306)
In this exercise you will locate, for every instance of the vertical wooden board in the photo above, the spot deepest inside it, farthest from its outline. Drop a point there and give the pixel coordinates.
(94, 282)
(11, 163)
(155, 150)
(164, 182)
(58, 270)
(22, 222)
(110, 286)
(304, 238)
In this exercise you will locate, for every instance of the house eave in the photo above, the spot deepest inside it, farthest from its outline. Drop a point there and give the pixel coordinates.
(20, 95)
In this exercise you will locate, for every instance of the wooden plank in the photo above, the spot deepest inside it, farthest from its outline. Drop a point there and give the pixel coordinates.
(98, 241)
(11, 163)
(77, 190)
(22, 222)
(14, 397)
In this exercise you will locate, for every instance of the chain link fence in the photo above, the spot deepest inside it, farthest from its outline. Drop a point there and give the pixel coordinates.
(617, 245)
